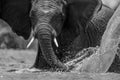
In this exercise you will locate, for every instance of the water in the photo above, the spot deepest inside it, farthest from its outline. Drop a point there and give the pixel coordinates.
(101, 59)
(76, 63)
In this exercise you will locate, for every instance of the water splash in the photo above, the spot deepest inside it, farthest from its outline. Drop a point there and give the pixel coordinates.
(82, 57)
(101, 59)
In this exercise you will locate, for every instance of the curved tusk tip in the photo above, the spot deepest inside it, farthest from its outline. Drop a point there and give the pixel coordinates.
(56, 43)
(31, 41)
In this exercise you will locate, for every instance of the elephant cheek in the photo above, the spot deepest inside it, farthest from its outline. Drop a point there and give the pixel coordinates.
(57, 22)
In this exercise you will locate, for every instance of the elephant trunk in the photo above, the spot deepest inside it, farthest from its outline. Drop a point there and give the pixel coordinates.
(44, 36)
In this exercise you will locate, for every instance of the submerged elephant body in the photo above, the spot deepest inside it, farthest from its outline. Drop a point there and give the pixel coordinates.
(51, 20)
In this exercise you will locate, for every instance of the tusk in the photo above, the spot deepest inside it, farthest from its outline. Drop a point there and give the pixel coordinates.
(56, 43)
(31, 41)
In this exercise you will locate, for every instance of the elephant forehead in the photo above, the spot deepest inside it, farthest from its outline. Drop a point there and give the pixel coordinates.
(45, 10)
(47, 6)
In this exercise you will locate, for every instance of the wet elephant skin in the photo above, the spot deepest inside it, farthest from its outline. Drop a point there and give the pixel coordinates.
(97, 25)
(72, 36)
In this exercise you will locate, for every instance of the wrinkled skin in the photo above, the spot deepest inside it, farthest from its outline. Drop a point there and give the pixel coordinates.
(97, 25)
(71, 36)
(65, 22)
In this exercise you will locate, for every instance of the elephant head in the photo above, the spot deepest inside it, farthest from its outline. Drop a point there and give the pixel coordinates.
(47, 18)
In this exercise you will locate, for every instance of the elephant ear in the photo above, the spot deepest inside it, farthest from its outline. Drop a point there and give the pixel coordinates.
(0, 7)
(78, 14)
(87, 7)
(16, 14)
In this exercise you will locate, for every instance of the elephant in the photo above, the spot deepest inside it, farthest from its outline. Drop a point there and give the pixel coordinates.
(97, 25)
(58, 25)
